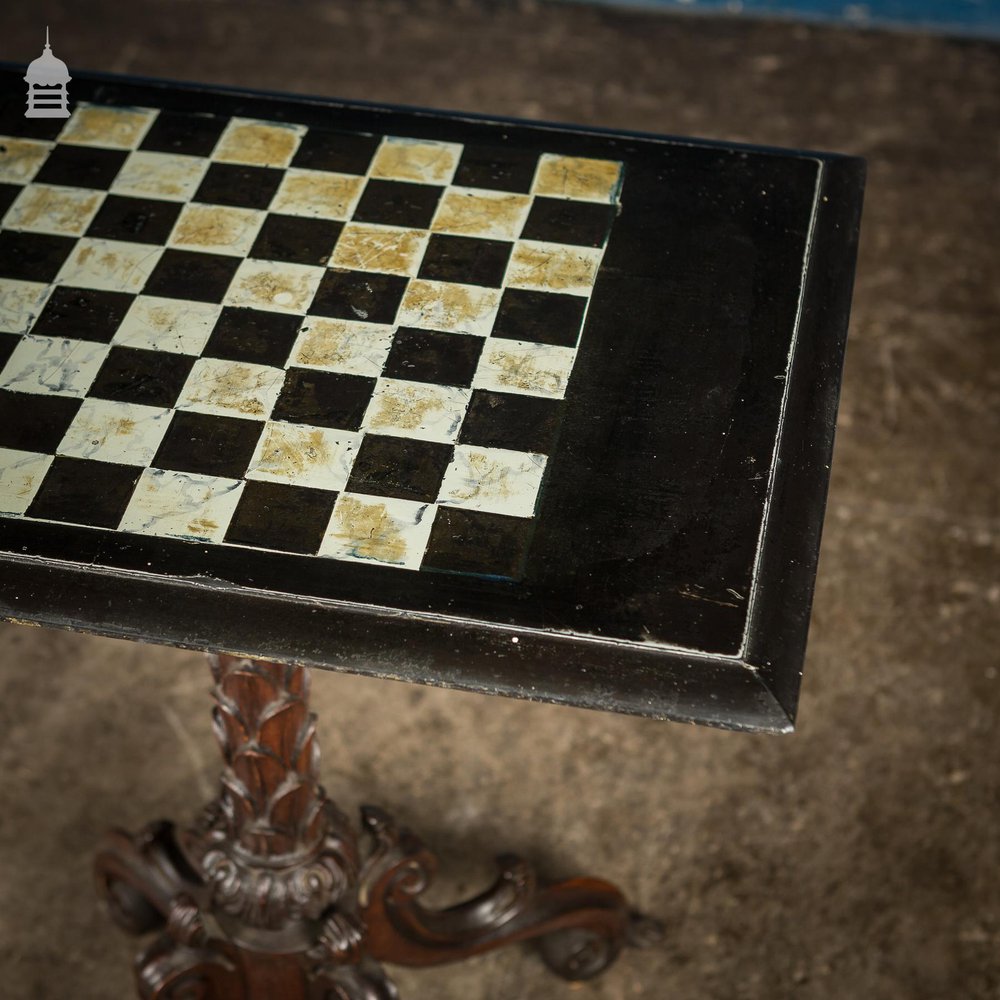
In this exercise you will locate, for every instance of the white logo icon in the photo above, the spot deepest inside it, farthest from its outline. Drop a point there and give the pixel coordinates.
(47, 77)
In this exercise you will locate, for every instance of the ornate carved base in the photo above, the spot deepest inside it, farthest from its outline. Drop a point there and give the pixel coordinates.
(267, 896)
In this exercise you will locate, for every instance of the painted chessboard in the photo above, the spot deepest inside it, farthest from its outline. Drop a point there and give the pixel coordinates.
(258, 334)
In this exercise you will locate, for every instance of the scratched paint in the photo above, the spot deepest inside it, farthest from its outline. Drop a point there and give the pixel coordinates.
(20, 474)
(110, 265)
(494, 480)
(263, 284)
(317, 194)
(450, 307)
(261, 144)
(21, 159)
(160, 175)
(216, 229)
(109, 431)
(578, 177)
(171, 325)
(416, 409)
(386, 249)
(20, 304)
(59, 211)
(181, 505)
(417, 160)
(231, 388)
(99, 125)
(53, 365)
(383, 530)
(486, 214)
(345, 346)
(319, 457)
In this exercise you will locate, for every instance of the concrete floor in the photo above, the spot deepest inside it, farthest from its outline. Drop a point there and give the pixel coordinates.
(858, 858)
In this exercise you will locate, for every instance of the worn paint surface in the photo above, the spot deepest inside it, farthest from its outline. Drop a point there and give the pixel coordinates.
(387, 249)
(317, 193)
(96, 125)
(230, 388)
(349, 366)
(258, 144)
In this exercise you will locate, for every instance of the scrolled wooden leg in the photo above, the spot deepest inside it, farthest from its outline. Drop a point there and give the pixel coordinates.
(581, 924)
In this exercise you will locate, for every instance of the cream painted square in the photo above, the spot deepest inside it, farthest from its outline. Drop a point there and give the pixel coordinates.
(525, 368)
(59, 211)
(553, 267)
(494, 480)
(216, 229)
(109, 431)
(577, 177)
(416, 410)
(182, 505)
(317, 194)
(21, 473)
(280, 287)
(160, 175)
(301, 455)
(496, 215)
(110, 265)
(387, 249)
(420, 160)
(56, 366)
(100, 125)
(342, 345)
(21, 302)
(449, 307)
(378, 529)
(21, 159)
(173, 325)
(260, 144)
(231, 388)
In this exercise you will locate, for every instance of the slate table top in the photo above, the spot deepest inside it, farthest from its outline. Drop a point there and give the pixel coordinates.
(525, 409)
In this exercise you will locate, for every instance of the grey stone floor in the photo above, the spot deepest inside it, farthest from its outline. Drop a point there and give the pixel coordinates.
(858, 858)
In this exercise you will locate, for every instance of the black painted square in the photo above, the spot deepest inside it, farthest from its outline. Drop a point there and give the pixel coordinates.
(134, 375)
(189, 135)
(428, 356)
(359, 295)
(497, 167)
(561, 220)
(342, 152)
(324, 399)
(478, 542)
(263, 338)
(298, 240)
(400, 467)
(32, 256)
(82, 314)
(8, 192)
(207, 444)
(540, 317)
(277, 516)
(13, 122)
(188, 274)
(511, 420)
(31, 421)
(82, 491)
(8, 341)
(466, 260)
(398, 203)
(238, 185)
(81, 166)
(135, 220)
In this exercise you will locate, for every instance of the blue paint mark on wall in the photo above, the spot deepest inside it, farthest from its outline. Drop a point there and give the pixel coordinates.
(960, 17)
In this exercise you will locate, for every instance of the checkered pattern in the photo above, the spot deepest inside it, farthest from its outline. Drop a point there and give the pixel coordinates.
(253, 333)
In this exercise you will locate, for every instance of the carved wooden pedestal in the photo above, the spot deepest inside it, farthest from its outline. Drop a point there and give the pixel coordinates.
(268, 897)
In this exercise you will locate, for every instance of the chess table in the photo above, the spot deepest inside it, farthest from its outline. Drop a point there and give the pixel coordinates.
(524, 409)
